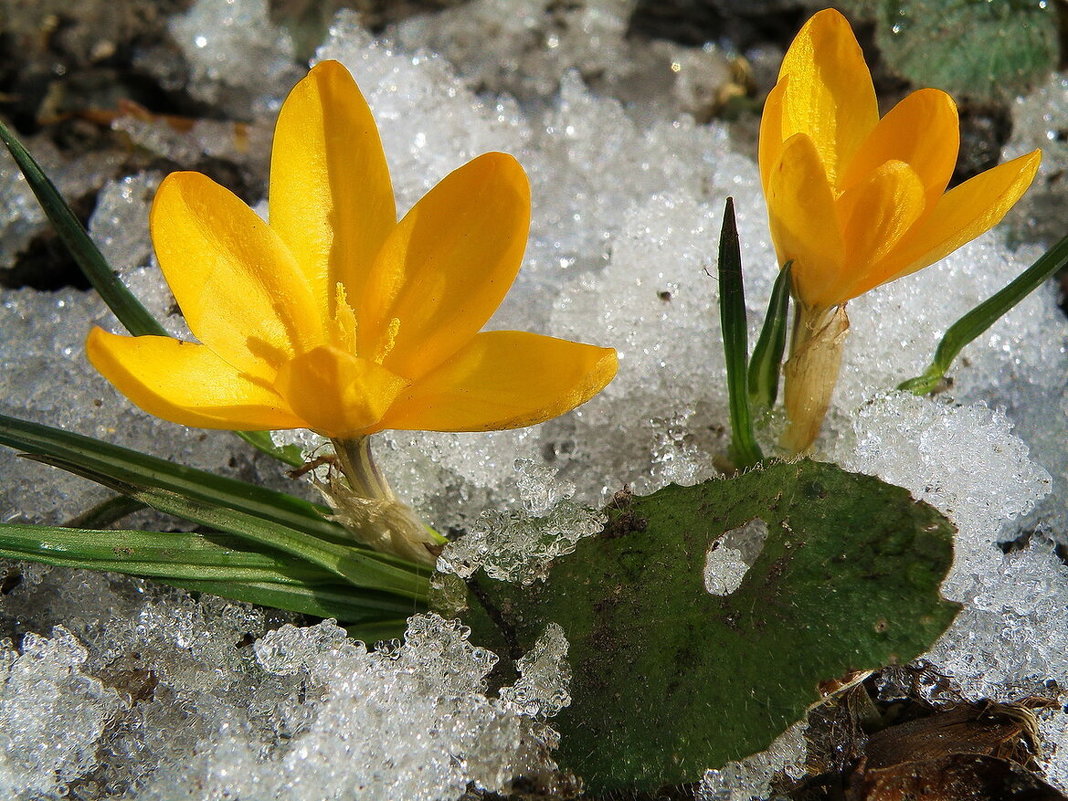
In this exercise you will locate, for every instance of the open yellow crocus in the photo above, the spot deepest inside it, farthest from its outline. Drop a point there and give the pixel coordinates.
(334, 316)
(855, 201)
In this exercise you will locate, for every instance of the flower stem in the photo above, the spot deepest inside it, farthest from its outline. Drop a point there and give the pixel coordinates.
(812, 372)
(365, 503)
(358, 465)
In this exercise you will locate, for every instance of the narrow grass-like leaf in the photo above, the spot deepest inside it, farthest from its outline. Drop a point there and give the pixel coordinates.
(985, 315)
(360, 567)
(142, 470)
(123, 304)
(217, 563)
(356, 613)
(178, 555)
(105, 513)
(745, 450)
(76, 239)
(766, 364)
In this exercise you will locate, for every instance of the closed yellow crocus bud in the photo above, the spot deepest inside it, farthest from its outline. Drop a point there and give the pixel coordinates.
(855, 201)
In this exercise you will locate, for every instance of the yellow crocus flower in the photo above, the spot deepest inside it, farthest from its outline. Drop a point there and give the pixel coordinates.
(855, 201)
(334, 316)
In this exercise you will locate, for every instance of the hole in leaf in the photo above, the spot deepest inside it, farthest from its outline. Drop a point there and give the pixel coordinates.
(731, 554)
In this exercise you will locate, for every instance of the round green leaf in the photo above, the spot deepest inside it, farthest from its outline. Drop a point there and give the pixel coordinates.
(670, 680)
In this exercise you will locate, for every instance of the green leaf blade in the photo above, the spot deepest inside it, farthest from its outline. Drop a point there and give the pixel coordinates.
(75, 238)
(272, 519)
(745, 450)
(361, 614)
(132, 467)
(105, 513)
(261, 440)
(216, 563)
(979, 319)
(123, 304)
(362, 568)
(765, 367)
(152, 554)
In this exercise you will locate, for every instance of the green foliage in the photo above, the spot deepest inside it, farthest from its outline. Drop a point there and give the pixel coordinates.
(215, 563)
(260, 546)
(766, 364)
(81, 248)
(732, 317)
(975, 48)
(670, 680)
(985, 315)
(138, 469)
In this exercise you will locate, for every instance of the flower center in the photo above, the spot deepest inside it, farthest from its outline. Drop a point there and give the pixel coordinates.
(344, 320)
(346, 326)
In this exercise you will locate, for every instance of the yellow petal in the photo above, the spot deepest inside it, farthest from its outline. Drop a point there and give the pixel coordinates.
(338, 394)
(923, 131)
(830, 96)
(875, 216)
(237, 284)
(962, 214)
(331, 198)
(186, 383)
(446, 267)
(504, 379)
(804, 222)
(771, 140)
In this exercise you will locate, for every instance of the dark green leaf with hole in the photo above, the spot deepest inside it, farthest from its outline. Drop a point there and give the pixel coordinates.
(670, 680)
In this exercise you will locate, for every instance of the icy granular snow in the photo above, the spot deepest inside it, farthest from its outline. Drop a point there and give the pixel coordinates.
(159, 694)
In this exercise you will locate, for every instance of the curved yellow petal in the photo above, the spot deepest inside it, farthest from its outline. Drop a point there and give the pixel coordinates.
(769, 147)
(336, 393)
(923, 131)
(962, 214)
(503, 379)
(446, 267)
(186, 383)
(804, 222)
(331, 198)
(875, 216)
(830, 97)
(237, 284)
